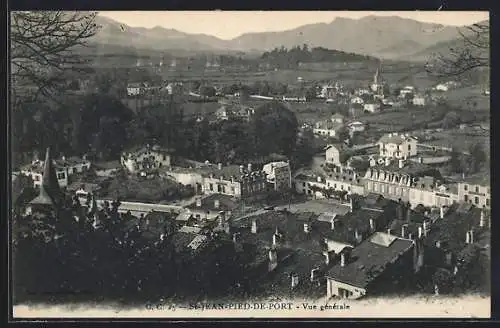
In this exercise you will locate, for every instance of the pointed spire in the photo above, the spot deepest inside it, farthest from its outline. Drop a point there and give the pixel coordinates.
(50, 192)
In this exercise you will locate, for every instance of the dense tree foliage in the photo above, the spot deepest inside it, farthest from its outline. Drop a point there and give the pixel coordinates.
(292, 58)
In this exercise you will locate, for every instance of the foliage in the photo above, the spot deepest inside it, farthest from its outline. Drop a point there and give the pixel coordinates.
(42, 44)
(292, 58)
(450, 120)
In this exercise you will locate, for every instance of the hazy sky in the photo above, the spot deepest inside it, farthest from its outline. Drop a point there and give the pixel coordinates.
(230, 24)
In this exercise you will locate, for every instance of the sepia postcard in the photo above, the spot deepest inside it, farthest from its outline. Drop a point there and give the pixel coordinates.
(251, 164)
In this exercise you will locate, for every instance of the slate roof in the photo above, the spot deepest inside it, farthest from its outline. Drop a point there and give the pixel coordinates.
(395, 139)
(226, 203)
(368, 260)
(50, 192)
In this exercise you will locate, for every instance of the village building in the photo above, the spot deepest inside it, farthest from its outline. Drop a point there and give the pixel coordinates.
(328, 128)
(456, 230)
(278, 175)
(212, 207)
(400, 146)
(135, 89)
(50, 198)
(419, 100)
(372, 107)
(234, 180)
(64, 167)
(393, 181)
(357, 100)
(423, 192)
(366, 270)
(342, 179)
(475, 190)
(333, 153)
(447, 194)
(307, 183)
(356, 126)
(337, 118)
(146, 158)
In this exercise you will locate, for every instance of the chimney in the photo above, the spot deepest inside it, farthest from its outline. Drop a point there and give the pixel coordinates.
(410, 236)
(401, 163)
(242, 168)
(198, 202)
(351, 204)
(273, 259)
(354, 176)
(275, 239)
(471, 236)
(441, 212)
(249, 167)
(219, 166)
(408, 213)
(357, 236)
(216, 203)
(438, 244)
(481, 220)
(372, 225)
(403, 230)
(467, 237)
(254, 226)
(420, 232)
(295, 280)
(342, 259)
(389, 231)
(314, 274)
(318, 179)
(420, 160)
(328, 257)
(236, 237)
(425, 227)
(333, 224)
(306, 227)
(387, 161)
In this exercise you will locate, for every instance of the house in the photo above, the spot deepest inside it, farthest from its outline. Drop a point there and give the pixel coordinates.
(341, 179)
(305, 183)
(475, 190)
(234, 180)
(211, 207)
(145, 158)
(328, 128)
(356, 126)
(423, 192)
(380, 259)
(63, 167)
(391, 185)
(279, 175)
(357, 100)
(400, 146)
(223, 113)
(333, 153)
(187, 177)
(50, 198)
(457, 228)
(338, 118)
(446, 195)
(135, 89)
(419, 100)
(407, 90)
(328, 91)
(372, 107)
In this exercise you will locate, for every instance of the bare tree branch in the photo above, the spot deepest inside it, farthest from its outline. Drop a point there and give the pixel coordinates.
(42, 47)
(470, 55)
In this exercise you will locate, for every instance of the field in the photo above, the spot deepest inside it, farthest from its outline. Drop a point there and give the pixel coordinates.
(470, 98)
(463, 139)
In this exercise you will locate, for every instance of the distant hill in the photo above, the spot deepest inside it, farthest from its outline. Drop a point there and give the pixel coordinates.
(387, 37)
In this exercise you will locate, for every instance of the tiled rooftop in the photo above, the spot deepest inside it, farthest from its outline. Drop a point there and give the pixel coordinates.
(226, 203)
(368, 260)
(394, 138)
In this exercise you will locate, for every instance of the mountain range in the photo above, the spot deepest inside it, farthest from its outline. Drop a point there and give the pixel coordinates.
(388, 37)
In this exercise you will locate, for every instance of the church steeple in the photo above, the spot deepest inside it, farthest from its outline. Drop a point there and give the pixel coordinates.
(50, 192)
(376, 77)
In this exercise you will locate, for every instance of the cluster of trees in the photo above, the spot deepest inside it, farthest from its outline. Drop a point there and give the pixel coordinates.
(291, 58)
(273, 129)
(470, 163)
(117, 261)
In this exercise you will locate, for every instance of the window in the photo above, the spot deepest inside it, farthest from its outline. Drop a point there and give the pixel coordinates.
(75, 170)
(233, 190)
(487, 202)
(375, 187)
(466, 198)
(61, 176)
(36, 177)
(348, 188)
(409, 147)
(223, 189)
(342, 187)
(476, 200)
(303, 184)
(477, 189)
(164, 157)
(211, 187)
(465, 187)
